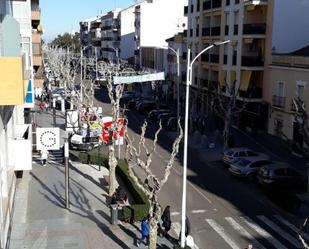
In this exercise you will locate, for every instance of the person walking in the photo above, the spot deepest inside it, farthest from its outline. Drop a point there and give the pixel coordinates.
(187, 228)
(166, 220)
(145, 231)
(44, 156)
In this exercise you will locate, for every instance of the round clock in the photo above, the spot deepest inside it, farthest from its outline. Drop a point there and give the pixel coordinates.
(48, 139)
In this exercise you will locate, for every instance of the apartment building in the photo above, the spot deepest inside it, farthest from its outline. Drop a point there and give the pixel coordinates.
(287, 72)
(154, 23)
(85, 35)
(95, 37)
(37, 44)
(110, 33)
(15, 133)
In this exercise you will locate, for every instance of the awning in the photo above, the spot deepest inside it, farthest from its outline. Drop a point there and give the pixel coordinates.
(245, 80)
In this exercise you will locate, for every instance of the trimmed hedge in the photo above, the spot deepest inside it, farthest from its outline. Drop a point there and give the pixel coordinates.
(134, 212)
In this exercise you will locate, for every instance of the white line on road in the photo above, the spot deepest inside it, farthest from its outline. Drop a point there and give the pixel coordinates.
(280, 231)
(244, 233)
(175, 213)
(198, 211)
(263, 233)
(291, 226)
(220, 230)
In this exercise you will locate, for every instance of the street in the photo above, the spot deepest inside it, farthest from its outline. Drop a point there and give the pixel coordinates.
(224, 212)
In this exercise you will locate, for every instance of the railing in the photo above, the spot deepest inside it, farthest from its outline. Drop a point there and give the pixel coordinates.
(215, 31)
(106, 28)
(254, 28)
(278, 101)
(251, 61)
(293, 109)
(206, 32)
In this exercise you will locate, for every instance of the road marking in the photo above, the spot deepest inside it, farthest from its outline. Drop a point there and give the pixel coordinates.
(244, 233)
(280, 231)
(175, 213)
(291, 226)
(220, 230)
(198, 211)
(263, 233)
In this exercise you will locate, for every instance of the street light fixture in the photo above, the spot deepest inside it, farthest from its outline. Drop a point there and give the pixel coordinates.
(185, 153)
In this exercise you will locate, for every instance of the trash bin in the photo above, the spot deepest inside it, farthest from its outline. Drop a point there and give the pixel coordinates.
(114, 214)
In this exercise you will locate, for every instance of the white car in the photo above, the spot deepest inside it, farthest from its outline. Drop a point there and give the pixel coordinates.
(233, 154)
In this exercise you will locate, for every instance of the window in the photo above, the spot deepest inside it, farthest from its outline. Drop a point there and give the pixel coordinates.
(242, 153)
(259, 164)
(280, 89)
(300, 88)
(191, 32)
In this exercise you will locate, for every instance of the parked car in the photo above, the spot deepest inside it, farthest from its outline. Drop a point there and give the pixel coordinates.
(146, 106)
(132, 102)
(233, 154)
(58, 92)
(172, 123)
(126, 96)
(164, 117)
(281, 175)
(248, 167)
(153, 115)
(80, 141)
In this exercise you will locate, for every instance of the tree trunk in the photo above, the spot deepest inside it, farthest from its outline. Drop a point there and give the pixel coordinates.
(226, 132)
(153, 233)
(112, 162)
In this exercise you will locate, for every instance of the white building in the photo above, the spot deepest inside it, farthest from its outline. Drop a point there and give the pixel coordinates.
(85, 34)
(110, 33)
(15, 135)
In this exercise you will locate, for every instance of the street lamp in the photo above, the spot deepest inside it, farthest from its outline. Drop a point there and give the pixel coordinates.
(185, 153)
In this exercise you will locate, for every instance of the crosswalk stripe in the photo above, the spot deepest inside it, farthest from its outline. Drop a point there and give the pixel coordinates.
(291, 226)
(220, 230)
(280, 231)
(263, 233)
(244, 233)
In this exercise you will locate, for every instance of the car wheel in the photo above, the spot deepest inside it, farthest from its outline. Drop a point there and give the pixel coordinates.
(251, 177)
(90, 147)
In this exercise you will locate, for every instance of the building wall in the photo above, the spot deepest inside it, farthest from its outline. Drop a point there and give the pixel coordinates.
(127, 32)
(290, 25)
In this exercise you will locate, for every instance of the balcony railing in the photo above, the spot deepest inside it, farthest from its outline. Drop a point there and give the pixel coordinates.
(254, 28)
(278, 101)
(214, 58)
(206, 32)
(106, 27)
(251, 61)
(207, 5)
(215, 31)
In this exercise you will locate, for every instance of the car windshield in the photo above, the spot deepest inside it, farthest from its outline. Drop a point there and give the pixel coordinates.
(243, 162)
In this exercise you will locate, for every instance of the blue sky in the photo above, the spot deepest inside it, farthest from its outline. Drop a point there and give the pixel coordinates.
(59, 16)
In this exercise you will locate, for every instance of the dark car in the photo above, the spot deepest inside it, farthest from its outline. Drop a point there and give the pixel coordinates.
(281, 175)
(172, 123)
(127, 96)
(153, 115)
(164, 117)
(146, 106)
(132, 102)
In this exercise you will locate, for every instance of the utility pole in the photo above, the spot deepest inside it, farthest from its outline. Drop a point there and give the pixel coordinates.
(66, 172)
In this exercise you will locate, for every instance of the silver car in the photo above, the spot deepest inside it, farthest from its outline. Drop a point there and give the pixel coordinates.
(248, 167)
(233, 154)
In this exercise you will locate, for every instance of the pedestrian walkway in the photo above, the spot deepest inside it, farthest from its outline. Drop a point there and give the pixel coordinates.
(55, 157)
(263, 232)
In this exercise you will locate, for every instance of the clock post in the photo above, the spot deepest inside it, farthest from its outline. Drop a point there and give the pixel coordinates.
(66, 172)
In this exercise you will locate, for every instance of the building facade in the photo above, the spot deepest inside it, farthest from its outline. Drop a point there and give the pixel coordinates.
(15, 130)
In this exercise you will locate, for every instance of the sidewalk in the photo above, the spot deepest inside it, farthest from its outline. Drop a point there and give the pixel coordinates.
(40, 220)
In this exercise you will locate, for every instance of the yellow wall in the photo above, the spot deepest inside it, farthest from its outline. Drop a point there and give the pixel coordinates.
(11, 81)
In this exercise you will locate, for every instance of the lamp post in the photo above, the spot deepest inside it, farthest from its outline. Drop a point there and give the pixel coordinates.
(185, 153)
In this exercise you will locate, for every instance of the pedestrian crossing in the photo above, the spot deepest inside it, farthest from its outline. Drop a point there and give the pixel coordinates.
(263, 232)
(55, 157)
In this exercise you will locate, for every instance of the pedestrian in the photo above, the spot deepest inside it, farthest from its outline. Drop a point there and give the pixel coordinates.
(42, 105)
(44, 156)
(187, 228)
(145, 231)
(166, 220)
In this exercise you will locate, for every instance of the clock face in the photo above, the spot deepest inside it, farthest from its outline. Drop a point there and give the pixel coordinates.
(48, 139)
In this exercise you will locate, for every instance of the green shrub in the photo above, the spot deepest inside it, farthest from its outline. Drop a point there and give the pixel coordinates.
(134, 212)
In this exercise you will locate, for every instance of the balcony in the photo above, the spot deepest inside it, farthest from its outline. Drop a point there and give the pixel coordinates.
(205, 58)
(206, 32)
(215, 31)
(36, 14)
(252, 93)
(185, 11)
(278, 101)
(254, 29)
(214, 58)
(12, 89)
(251, 61)
(207, 5)
(37, 60)
(225, 59)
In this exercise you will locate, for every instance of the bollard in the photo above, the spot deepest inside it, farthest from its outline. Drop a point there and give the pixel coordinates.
(114, 214)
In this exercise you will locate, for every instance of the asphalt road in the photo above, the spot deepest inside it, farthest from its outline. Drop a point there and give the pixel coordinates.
(224, 212)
